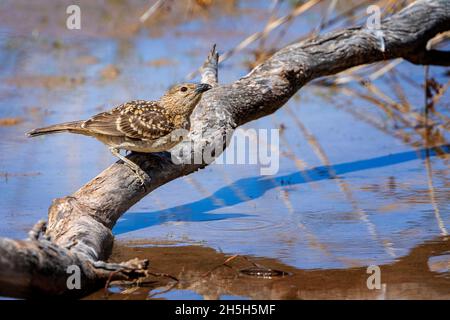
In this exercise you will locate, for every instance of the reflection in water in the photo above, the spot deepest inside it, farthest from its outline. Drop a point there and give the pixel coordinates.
(432, 192)
(422, 274)
(256, 187)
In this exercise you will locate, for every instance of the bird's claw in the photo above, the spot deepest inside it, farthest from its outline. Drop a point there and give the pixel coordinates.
(140, 174)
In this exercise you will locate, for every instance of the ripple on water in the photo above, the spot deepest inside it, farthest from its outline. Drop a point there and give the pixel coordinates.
(243, 224)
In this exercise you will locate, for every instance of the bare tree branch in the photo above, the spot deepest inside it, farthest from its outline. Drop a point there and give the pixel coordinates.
(431, 57)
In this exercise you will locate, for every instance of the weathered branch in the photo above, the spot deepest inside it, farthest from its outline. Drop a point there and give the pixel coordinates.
(431, 57)
(79, 226)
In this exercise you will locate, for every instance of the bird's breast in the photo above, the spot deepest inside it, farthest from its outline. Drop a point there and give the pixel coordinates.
(146, 146)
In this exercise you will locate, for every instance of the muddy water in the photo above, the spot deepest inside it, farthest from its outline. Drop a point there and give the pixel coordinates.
(348, 193)
(198, 272)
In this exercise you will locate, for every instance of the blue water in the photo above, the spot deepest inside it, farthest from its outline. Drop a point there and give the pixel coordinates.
(300, 215)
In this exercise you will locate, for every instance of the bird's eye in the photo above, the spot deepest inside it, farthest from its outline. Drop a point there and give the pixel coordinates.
(183, 89)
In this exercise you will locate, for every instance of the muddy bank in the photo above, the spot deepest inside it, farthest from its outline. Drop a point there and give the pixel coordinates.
(201, 274)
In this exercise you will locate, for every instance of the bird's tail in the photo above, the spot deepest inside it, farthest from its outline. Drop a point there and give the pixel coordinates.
(74, 126)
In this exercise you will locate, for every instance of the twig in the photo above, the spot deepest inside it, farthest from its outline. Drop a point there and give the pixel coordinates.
(268, 28)
(150, 11)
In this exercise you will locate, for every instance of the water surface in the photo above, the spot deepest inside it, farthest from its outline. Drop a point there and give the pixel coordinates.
(348, 194)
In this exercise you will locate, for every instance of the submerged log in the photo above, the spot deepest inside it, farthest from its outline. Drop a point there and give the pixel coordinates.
(78, 232)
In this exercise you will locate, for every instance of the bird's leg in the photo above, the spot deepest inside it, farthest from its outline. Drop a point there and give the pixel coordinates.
(133, 166)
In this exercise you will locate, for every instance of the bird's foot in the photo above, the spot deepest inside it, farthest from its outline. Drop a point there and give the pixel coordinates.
(140, 174)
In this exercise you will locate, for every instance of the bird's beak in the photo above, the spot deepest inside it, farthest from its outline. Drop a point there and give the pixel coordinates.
(202, 87)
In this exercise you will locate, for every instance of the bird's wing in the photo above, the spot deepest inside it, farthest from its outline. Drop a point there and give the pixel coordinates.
(138, 119)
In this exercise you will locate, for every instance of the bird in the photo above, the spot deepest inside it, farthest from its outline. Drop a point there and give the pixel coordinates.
(139, 125)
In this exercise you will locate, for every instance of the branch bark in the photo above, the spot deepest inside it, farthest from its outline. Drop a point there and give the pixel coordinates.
(79, 226)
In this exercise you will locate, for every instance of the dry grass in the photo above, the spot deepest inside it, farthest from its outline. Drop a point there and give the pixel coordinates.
(7, 122)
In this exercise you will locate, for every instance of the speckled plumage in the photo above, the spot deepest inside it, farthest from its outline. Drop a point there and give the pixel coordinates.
(139, 125)
(137, 119)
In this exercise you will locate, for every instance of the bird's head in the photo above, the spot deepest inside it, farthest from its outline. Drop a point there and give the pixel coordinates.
(182, 98)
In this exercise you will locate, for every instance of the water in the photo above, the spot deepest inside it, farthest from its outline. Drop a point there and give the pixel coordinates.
(378, 209)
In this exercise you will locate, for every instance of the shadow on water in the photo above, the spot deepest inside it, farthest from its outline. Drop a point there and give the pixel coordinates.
(421, 274)
(255, 187)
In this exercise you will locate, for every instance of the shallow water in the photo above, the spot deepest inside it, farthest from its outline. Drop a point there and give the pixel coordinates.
(199, 272)
(366, 198)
